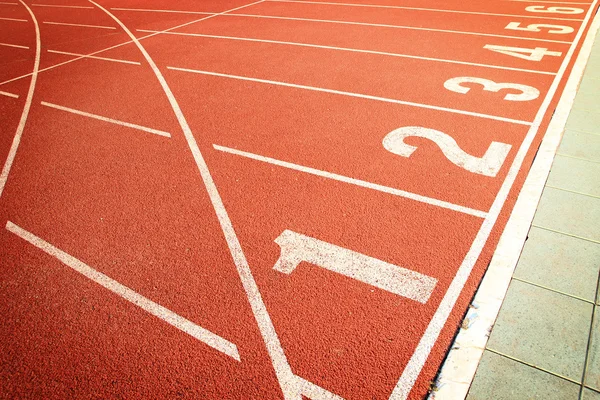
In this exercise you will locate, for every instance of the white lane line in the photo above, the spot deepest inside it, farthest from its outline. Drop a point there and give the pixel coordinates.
(196, 331)
(60, 6)
(94, 57)
(16, 96)
(288, 382)
(162, 11)
(19, 132)
(407, 27)
(351, 94)
(548, 2)
(353, 181)
(422, 9)
(79, 25)
(8, 4)
(105, 119)
(14, 45)
(383, 53)
(417, 361)
(13, 19)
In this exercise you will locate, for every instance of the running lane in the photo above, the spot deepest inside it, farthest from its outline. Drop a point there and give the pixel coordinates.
(280, 199)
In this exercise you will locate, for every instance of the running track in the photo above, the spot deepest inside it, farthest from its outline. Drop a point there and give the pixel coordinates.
(278, 199)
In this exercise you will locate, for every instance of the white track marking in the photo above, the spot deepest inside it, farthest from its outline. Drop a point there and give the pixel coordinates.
(297, 248)
(16, 96)
(314, 392)
(420, 9)
(94, 57)
(406, 27)
(79, 25)
(15, 46)
(461, 363)
(319, 46)
(8, 4)
(353, 181)
(351, 94)
(413, 368)
(162, 11)
(13, 19)
(547, 2)
(19, 132)
(196, 331)
(101, 118)
(60, 6)
(286, 378)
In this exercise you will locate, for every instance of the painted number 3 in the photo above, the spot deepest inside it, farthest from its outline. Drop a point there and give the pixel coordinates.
(488, 165)
(526, 92)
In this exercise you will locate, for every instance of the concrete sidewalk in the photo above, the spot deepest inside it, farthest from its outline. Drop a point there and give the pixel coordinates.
(545, 343)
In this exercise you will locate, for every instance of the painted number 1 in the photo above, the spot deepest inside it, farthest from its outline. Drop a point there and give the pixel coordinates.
(296, 248)
(488, 165)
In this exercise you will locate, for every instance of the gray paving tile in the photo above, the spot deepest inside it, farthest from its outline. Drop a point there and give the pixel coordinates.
(592, 375)
(500, 378)
(560, 262)
(543, 328)
(587, 94)
(569, 213)
(584, 120)
(577, 175)
(581, 145)
(589, 394)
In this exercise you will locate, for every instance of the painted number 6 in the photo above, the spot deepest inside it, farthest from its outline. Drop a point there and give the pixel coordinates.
(527, 92)
(488, 165)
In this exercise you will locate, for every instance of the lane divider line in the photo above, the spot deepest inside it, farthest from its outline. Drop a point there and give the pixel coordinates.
(549, 2)
(407, 27)
(13, 19)
(420, 9)
(196, 331)
(436, 324)
(162, 11)
(79, 25)
(288, 382)
(3, 93)
(351, 94)
(319, 46)
(94, 57)
(354, 181)
(12, 153)
(105, 119)
(4, 3)
(61, 6)
(15, 46)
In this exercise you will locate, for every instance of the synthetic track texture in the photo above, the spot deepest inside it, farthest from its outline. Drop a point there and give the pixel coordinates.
(291, 105)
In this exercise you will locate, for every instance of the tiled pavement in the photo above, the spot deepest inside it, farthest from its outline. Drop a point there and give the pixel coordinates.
(546, 341)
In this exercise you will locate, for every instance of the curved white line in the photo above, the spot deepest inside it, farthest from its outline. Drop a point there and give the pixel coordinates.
(287, 380)
(17, 139)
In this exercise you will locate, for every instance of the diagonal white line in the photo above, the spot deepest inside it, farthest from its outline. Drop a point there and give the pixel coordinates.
(288, 382)
(320, 46)
(105, 119)
(353, 181)
(13, 19)
(351, 94)
(421, 9)
(94, 57)
(407, 27)
(162, 11)
(3, 93)
(60, 6)
(15, 46)
(196, 331)
(12, 153)
(79, 25)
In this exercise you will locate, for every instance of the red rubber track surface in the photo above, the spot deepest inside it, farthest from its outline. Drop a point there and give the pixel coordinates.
(286, 101)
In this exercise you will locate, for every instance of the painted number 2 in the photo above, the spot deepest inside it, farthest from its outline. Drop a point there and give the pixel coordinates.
(527, 92)
(488, 165)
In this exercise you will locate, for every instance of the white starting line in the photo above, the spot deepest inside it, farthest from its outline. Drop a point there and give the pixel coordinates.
(16, 96)
(16, 46)
(94, 57)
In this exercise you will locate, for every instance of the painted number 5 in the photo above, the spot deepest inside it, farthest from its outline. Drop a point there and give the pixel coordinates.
(488, 165)
(527, 92)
